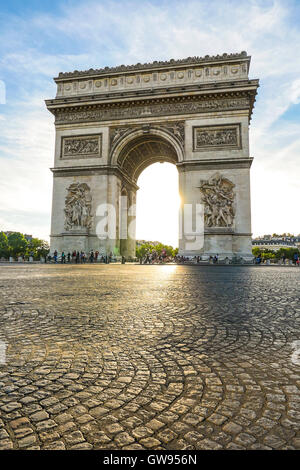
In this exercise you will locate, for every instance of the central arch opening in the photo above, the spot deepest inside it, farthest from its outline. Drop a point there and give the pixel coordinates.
(143, 151)
(157, 204)
(148, 160)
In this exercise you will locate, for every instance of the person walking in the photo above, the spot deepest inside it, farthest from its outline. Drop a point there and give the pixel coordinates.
(55, 256)
(63, 258)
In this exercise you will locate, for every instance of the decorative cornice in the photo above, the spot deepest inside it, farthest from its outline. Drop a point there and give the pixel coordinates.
(93, 170)
(214, 163)
(154, 65)
(179, 105)
(236, 85)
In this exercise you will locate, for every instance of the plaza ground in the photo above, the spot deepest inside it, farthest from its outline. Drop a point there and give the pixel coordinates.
(149, 357)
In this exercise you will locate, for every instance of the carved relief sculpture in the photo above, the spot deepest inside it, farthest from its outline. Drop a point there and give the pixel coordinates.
(78, 206)
(81, 146)
(217, 137)
(218, 199)
(175, 128)
(117, 133)
(153, 109)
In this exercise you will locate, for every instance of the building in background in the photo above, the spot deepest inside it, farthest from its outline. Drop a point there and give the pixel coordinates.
(276, 242)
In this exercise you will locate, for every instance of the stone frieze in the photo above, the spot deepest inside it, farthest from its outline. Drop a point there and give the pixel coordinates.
(217, 137)
(81, 146)
(147, 110)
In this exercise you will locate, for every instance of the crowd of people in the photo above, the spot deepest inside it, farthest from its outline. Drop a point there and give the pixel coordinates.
(155, 258)
(79, 257)
(261, 260)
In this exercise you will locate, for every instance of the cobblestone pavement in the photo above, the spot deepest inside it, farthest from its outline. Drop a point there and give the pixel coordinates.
(149, 357)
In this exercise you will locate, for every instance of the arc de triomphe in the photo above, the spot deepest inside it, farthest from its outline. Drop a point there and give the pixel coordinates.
(114, 122)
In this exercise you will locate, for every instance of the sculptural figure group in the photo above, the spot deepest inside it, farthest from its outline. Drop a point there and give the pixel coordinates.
(218, 199)
(78, 206)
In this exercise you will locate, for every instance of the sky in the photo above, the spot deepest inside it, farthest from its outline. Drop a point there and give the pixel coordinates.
(39, 39)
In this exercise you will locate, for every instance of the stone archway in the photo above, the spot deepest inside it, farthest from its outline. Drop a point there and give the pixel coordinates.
(114, 122)
(134, 149)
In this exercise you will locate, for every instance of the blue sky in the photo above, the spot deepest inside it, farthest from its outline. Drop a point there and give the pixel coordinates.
(38, 39)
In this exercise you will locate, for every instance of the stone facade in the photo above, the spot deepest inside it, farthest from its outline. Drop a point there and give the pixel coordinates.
(112, 123)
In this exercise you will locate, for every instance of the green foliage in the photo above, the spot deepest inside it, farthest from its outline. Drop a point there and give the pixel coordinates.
(148, 248)
(4, 248)
(288, 253)
(256, 251)
(17, 244)
(37, 248)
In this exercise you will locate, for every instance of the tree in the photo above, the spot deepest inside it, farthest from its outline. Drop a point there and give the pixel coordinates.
(4, 248)
(37, 248)
(256, 251)
(17, 244)
(149, 247)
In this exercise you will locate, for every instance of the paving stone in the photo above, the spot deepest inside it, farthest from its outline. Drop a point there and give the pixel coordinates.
(98, 411)
(123, 439)
(114, 428)
(6, 444)
(150, 442)
(49, 436)
(155, 424)
(74, 437)
(232, 428)
(67, 427)
(112, 369)
(19, 423)
(82, 446)
(39, 416)
(274, 441)
(26, 441)
(45, 425)
(57, 445)
(207, 444)
(11, 407)
(245, 439)
(22, 432)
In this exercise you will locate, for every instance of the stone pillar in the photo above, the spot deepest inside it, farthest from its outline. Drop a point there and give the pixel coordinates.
(226, 230)
(131, 245)
(127, 216)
